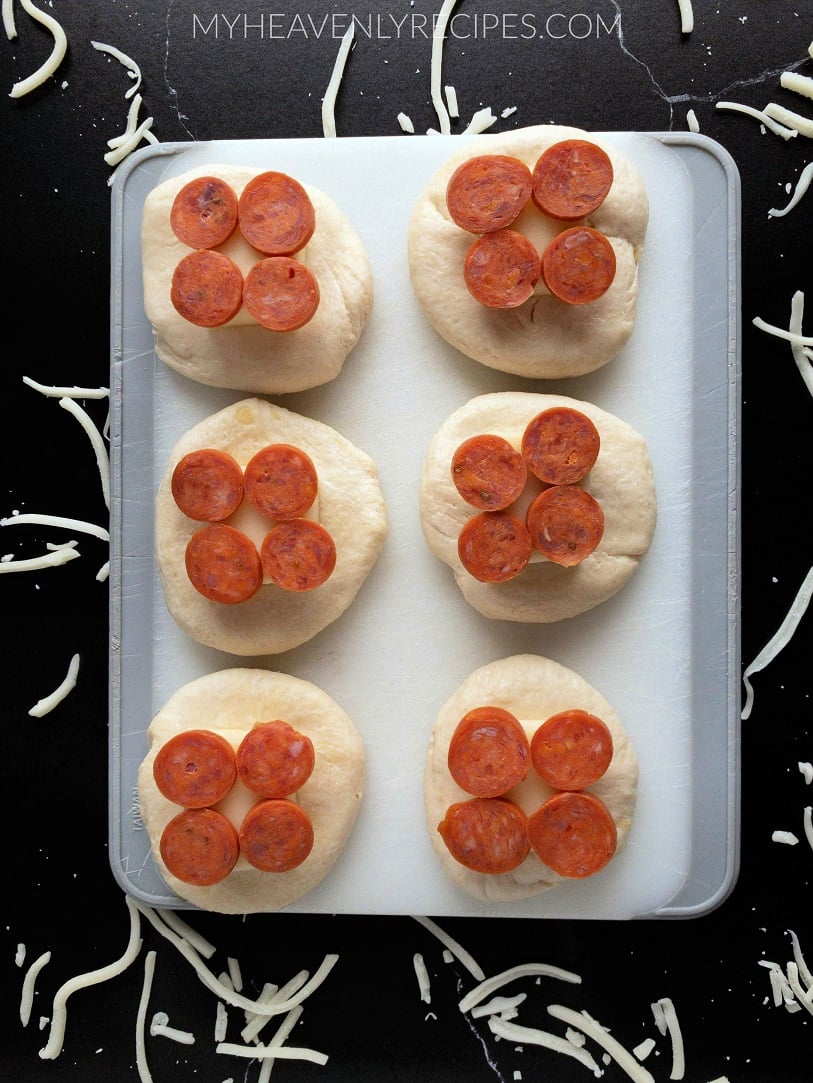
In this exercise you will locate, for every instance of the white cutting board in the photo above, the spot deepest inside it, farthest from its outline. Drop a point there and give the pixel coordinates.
(409, 638)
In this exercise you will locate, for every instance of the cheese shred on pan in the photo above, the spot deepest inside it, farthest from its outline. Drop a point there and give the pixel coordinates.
(779, 640)
(48, 703)
(57, 54)
(329, 100)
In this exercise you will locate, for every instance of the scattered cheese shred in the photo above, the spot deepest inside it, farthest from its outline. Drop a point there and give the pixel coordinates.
(807, 771)
(451, 102)
(329, 100)
(59, 1015)
(524, 970)
(271, 1052)
(457, 950)
(794, 121)
(234, 973)
(686, 16)
(799, 84)
(48, 703)
(198, 942)
(504, 1006)
(480, 121)
(133, 70)
(35, 519)
(691, 120)
(672, 1027)
(406, 123)
(422, 974)
(436, 64)
(8, 19)
(535, 1036)
(799, 959)
(270, 995)
(124, 144)
(57, 55)
(221, 1021)
(96, 439)
(282, 1032)
(779, 640)
(159, 1027)
(802, 185)
(57, 555)
(786, 837)
(808, 824)
(763, 117)
(29, 983)
(584, 1022)
(141, 1016)
(68, 392)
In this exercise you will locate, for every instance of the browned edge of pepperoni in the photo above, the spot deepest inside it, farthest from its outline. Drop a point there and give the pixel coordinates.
(488, 192)
(199, 846)
(298, 555)
(204, 213)
(494, 546)
(572, 749)
(489, 752)
(281, 293)
(195, 768)
(560, 445)
(578, 266)
(281, 481)
(488, 472)
(501, 269)
(571, 179)
(486, 834)
(565, 524)
(274, 759)
(207, 485)
(223, 564)
(573, 833)
(207, 288)
(276, 835)
(276, 214)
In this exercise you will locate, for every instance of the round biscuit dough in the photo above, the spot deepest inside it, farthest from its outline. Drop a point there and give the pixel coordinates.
(532, 688)
(544, 338)
(621, 480)
(230, 702)
(350, 506)
(242, 355)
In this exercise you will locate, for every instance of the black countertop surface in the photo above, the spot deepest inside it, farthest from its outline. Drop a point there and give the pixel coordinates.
(260, 71)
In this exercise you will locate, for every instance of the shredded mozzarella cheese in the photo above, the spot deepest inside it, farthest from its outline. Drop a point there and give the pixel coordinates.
(480, 121)
(802, 185)
(221, 1021)
(584, 1022)
(57, 555)
(535, 1036)
(57, 55)
(691, 120)
(234, 973)
(406, 123)
(686, 16)
(779, 640)
(457, 950)
(786, 837)
(29, 983)
(329, 100)
(270, 995)
(271, 1052)
(282, 1032)
(808, 824)
(422, 974)
(8, 19)
(141, 1016)
(133, 70)
(794, 121)
(59, 1014)
(807, 771)
(799, 84)
(48, 703)
(524, 970)
(671, 1026)
(96, 439)
(503, 1006)
(451, 102)
(762, 116)
(35, 519)
(159, 1027)
(68, 392)
(436, 64)
(198, 942)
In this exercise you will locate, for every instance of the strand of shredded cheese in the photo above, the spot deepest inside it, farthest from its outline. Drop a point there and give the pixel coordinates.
(68, 392)
(451, 102)
(799, 84)
(102, 458)
(536, 1036)
(44, 706)
(141, 1016)
(436, 64)
(272, 1052)
(795, 121)
(803, 968)
(199, 943)
(686, 16)
(59, 554)
(270, 995)
(29, 983)
(672, 1027)
(480, 121)
(779, 639)
(159, 1027)
(757, 114)
(8, 20)
(331, 94)
(802, 185)
(807, 821)
(59, 1014)
(58, 50)
(584, 1022)
(524, 970)
(503, 1006)
(36, 519)
(801, 355)
(405, 123)
(691, 120)
(457, 950)
(282, 1032)
(133, 70)
(422, 974)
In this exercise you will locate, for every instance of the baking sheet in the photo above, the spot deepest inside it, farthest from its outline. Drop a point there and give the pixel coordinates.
(664, 651)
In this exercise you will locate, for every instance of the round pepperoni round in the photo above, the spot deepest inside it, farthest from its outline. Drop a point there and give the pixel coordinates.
(276, 214)
(501, 269)
(199, 846)
(488, 192)
(298, 555)
(207, 485)
(281, 293)
(565, 524)
(486, 834)
(494, 546)
(281, 481)
(560, 445)
(488, 472)
(274, 759)
(572, 749)
(573, 833)
(223, 564)
(276, 835)
(488, 752)
(195, 768)
(207, 288)
(204, 213)
(578, 266)
(571, 179)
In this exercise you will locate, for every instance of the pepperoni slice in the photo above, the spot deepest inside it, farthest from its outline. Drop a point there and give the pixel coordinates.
(573, 833)
(298, 555)
(486, 834)
(572, 749)
(281, 481)
(276, 214)
(571, 179)
(204, 213)
(207, 288)
(565, 523)
(578, 265)
(223, 564)
(488, 192)
(276, 835)
(501, 269)
(488, 472)
(274, 759)
(560, 445)
(494, 546)
(281, 293)
(195, 768)
(199, 846)
(207, 485)
(489, 752)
